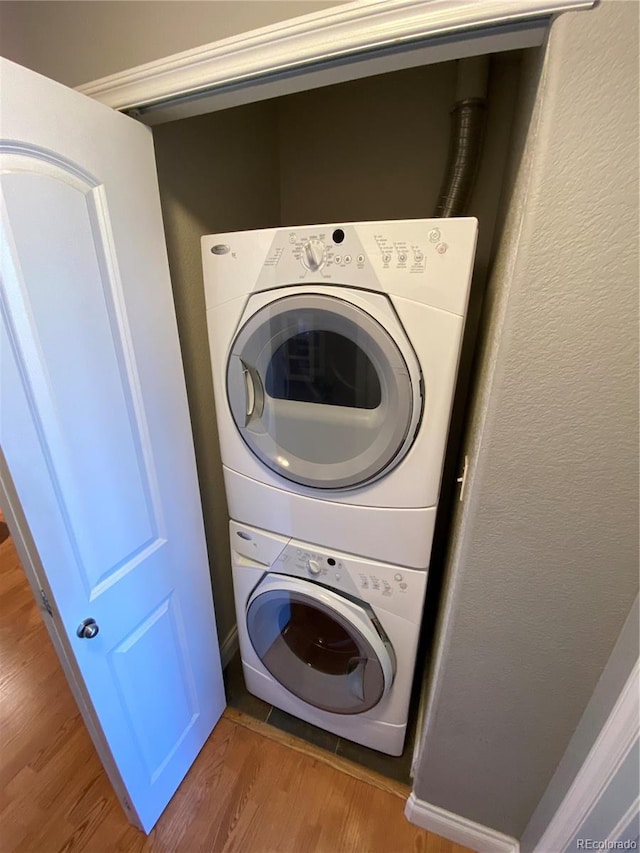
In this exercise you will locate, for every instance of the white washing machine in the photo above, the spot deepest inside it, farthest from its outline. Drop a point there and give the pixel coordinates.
(326, 636)
(334, 351)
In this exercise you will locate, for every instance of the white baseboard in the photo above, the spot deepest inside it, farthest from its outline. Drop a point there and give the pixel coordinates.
(457, 828)
(229, 646)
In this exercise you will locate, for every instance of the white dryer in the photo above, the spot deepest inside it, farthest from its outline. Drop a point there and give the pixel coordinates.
(334, 351)
(326, 636)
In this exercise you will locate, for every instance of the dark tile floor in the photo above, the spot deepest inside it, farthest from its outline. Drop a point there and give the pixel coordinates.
(239, 697)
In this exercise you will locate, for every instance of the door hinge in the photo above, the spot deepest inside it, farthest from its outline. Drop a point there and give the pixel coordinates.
(45, 601)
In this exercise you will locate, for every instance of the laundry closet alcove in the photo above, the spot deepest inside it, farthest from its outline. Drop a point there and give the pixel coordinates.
(336, 131)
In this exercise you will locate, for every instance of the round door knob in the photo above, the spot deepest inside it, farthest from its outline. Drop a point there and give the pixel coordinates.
(87, 629)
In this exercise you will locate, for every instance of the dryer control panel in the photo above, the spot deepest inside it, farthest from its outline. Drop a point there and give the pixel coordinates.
(392, 588)
(328, 250)
(429, 261)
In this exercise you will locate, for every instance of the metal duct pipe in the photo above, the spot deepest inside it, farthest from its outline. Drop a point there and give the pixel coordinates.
(467, 135)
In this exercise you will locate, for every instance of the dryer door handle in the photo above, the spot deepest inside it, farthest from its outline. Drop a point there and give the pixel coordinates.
(254, 393)
(249, 391)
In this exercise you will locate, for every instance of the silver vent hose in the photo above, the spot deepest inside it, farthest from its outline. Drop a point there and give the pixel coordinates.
(468, 118)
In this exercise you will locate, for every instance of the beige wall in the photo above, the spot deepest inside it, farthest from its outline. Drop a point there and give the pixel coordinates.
(377, 148)
(76, 42)
(544, 564)
(217, 172)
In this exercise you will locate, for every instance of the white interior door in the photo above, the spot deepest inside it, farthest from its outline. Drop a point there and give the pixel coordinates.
(97, 453)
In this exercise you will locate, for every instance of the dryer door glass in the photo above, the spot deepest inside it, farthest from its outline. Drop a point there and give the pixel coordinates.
(316, 653)
(320, 392)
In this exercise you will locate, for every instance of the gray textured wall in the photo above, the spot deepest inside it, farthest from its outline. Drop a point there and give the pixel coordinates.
(544, 562)
(76, 42)
(612, 681)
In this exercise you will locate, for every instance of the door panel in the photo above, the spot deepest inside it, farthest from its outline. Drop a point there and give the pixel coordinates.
(95, 432)
(159, 637)
(60, 217)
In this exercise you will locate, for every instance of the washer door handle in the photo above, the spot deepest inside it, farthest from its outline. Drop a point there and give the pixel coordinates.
(355, 678)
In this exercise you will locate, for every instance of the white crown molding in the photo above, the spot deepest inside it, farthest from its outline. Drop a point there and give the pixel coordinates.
(457, 828)
(613, 744)
(337, 32)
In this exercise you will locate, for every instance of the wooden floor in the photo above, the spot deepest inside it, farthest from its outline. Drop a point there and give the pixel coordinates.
(249, 791)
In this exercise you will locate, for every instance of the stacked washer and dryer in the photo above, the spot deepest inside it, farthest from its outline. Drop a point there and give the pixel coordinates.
(334, 351)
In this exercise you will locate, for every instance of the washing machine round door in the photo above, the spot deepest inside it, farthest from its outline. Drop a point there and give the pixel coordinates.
(320, 392)
(323, 648)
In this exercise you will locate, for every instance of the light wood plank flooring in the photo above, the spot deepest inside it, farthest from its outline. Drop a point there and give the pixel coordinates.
(250, 790)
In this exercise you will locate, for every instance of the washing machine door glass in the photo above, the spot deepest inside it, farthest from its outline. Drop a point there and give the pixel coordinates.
(320, 392)
(335, 661)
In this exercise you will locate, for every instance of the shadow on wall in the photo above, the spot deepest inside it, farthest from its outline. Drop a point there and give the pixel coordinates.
(213, 176)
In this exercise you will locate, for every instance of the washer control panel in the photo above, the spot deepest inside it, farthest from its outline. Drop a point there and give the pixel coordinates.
(385, 580)
(392, 588)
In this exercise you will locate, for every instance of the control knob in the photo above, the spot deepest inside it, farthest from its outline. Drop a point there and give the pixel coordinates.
(314, 567)
(313, 254)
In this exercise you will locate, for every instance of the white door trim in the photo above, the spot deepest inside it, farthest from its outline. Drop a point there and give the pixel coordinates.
(624, 824)
(616, 739)
(459, 829)
(348, 30)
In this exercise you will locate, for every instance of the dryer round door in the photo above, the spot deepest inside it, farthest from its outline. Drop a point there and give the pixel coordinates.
(320, 392)
(321, 647)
